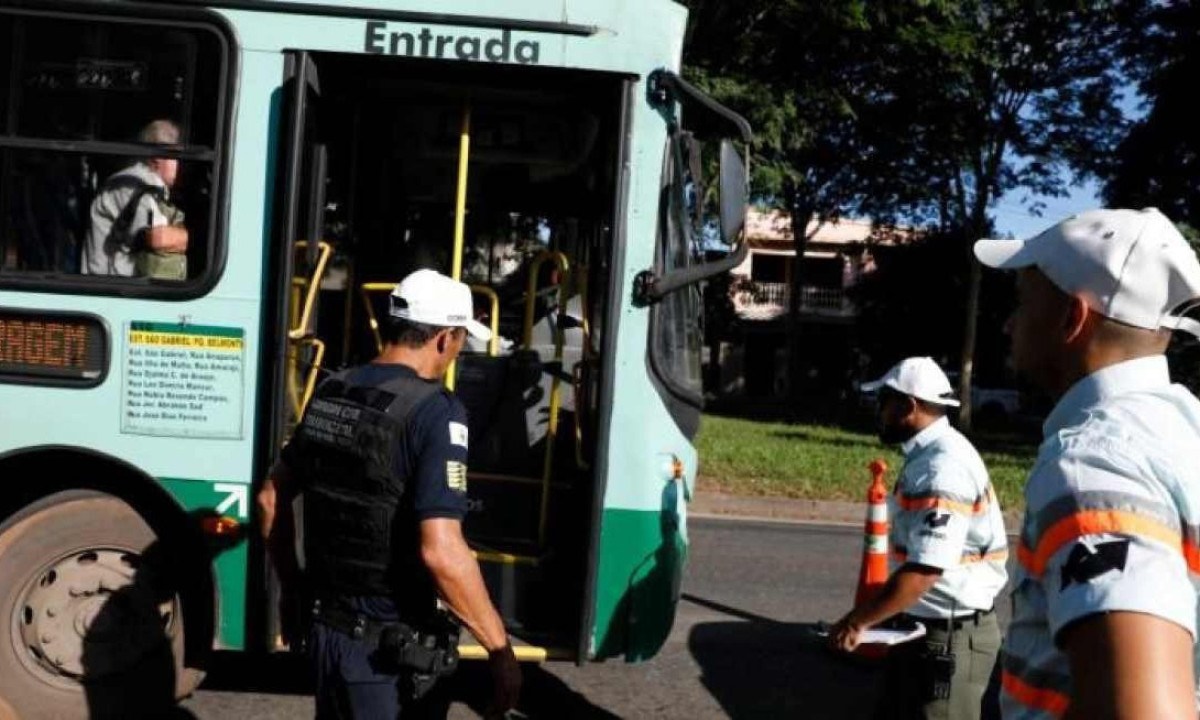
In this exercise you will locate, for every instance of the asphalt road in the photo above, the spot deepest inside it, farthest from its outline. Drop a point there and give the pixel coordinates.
(742, 645)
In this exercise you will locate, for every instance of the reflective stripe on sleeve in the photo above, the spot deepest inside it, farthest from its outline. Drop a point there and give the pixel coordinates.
(935, 500)
(1100, 522)
(1039, 689)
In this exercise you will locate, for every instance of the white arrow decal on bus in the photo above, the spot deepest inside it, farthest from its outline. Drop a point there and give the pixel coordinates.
(237, 494)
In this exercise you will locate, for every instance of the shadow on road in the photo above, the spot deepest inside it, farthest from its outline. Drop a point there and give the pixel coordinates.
(757, 667)
(543, 694)
(280, 673)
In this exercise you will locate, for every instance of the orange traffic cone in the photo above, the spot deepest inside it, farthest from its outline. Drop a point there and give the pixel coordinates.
(874, 570)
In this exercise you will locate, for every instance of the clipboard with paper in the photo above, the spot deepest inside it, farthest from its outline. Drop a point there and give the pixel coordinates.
(883, 636)
(888, 636)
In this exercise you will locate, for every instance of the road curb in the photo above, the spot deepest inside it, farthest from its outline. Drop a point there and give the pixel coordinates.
(777, 508)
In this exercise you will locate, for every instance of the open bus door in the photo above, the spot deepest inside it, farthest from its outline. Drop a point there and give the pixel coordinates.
(518, 181)
(299, 266)
(391, 164)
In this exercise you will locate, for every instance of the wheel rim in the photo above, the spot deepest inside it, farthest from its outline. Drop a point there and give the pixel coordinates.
(88, 615)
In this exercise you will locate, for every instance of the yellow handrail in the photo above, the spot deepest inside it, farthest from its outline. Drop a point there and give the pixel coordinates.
(310, 384)
(366, 289)
(577, 381)
(460, 213)
(295, 300)
(564, 269)
(302, 301)
(314, 286)
(372, 320)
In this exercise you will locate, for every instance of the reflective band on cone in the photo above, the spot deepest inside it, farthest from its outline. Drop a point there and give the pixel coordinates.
(873, 572)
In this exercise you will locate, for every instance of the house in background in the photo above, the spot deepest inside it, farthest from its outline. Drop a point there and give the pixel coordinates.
(754, 363)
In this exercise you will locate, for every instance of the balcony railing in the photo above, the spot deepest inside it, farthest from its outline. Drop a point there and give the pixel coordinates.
(768, 301)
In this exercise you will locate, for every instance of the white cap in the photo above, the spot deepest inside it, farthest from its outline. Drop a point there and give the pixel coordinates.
(1132, 265)
(429, 297)
(919, 377)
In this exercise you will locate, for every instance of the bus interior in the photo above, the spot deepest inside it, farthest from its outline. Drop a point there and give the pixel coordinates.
(393, 151)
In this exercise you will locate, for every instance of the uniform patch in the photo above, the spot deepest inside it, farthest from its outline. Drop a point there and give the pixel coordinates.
(935, 520)
(458, 434)
(456, 476)
(1085, 564)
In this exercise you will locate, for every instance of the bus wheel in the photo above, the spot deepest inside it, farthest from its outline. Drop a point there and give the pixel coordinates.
(90, 625)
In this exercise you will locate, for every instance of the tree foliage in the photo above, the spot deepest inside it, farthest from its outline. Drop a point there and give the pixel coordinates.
(1158, 163)
(918, 113)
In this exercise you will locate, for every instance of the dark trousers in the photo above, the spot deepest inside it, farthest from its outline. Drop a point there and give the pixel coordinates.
(349, 685)
(908, 684)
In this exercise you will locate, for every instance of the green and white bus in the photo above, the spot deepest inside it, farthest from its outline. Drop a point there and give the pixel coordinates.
(534, 148)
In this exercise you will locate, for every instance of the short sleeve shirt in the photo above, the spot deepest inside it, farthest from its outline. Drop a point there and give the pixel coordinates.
(946, 516)
(104, 254)
(1111, 524)
(432, 452)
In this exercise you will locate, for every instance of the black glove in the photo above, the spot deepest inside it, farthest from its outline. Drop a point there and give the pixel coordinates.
(506, 681)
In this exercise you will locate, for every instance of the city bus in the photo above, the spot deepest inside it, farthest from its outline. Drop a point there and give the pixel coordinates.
(546, 152)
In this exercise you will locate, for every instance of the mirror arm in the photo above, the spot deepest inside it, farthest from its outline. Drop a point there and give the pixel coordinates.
(649, 287)
(664, 87)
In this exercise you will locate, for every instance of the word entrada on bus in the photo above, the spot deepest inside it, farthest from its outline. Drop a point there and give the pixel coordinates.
(498, 48)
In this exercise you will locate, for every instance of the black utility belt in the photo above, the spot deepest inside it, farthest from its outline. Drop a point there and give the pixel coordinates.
(958, 622)
(396, 644)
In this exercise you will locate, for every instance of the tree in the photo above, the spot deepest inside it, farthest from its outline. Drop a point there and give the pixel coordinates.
(1158, 162)
(916, 112)
(791, 68)
(983, 96)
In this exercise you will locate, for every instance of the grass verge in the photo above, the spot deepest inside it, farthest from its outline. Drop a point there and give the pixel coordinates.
(745, 457)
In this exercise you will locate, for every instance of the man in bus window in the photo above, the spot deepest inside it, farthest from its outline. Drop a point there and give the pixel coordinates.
(135, 229)
(948, 549)
(379, 464)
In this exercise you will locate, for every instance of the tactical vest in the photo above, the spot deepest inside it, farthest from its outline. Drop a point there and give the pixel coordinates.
(345, 457)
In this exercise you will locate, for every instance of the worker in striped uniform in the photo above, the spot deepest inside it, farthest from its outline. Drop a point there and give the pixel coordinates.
(948, 550)
(1104, 621)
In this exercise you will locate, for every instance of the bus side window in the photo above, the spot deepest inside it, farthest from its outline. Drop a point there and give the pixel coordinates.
(110, 131)
(691, 222)
(676, 336)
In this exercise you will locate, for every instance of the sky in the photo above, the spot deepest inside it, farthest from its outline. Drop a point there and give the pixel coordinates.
(1011, 210)
(1013, 217)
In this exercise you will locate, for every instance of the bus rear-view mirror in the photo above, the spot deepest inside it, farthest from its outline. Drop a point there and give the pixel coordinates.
(734, 189)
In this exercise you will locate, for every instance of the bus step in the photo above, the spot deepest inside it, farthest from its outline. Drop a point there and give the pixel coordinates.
(503, 558)
(470, 650)
(516, 580)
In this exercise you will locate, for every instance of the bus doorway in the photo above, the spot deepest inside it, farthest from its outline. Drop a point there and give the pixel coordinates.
(508, 178)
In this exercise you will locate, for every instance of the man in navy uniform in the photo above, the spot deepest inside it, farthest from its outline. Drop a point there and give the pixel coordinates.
(379, 465)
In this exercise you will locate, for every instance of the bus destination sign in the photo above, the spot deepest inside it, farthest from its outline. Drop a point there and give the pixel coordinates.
(183, 380)
(51, 347)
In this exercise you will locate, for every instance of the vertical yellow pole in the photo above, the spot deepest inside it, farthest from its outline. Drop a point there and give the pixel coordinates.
(460, 213)
(460, 201)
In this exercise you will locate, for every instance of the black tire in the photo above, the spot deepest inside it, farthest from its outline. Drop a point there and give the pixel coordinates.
(86, 626)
